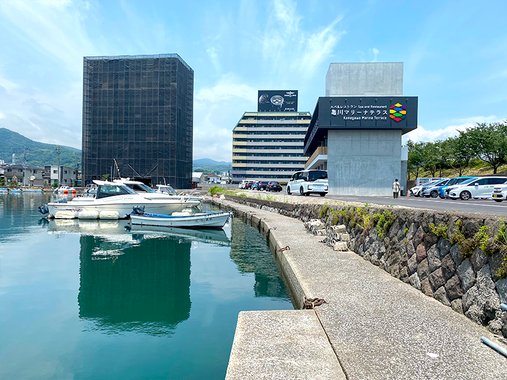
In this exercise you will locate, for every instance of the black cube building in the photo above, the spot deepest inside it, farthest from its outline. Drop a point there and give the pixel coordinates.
(138, 118)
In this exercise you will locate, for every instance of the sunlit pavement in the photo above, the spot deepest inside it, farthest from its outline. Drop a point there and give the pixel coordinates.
(482, 206)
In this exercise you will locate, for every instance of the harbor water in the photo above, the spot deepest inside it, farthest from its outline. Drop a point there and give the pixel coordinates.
(98, 300)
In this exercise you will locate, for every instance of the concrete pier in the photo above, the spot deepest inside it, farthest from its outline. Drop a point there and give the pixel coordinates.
(377, 326)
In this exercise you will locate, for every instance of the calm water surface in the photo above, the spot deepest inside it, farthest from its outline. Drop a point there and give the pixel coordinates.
(94, 300)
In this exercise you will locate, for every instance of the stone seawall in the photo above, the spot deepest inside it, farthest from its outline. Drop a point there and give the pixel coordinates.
(458, 259)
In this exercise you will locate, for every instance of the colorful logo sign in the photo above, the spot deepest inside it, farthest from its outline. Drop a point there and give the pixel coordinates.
(398, 112)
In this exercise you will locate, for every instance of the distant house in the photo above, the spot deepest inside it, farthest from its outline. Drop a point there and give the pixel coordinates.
(197, 178)
(68, 175)
(24, 174)
(212, 178)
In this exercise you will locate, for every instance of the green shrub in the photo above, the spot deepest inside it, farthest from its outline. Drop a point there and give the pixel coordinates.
(216, 190)
(440, 231)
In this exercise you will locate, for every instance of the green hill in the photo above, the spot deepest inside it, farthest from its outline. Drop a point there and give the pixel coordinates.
(36, 153)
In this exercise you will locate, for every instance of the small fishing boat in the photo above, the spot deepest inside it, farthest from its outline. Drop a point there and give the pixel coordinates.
(3, 190)
(180, 219)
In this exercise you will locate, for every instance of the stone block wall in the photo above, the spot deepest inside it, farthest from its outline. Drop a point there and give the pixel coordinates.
(411, 250)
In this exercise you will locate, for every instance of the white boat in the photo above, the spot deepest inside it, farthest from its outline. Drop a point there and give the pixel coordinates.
(64, 190)
(182, 220)
(141, 188)
(169, 190)
(113, 201)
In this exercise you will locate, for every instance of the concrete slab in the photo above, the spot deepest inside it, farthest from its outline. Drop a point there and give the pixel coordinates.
(378, 326)
(282, 345)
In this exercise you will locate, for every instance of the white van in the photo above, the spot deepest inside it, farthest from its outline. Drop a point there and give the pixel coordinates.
(307, 182)
(481, 187)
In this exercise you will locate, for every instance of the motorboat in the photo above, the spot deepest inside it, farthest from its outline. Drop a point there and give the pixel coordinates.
(169, 190)
(181, 219)
(141, 188)
(64, 190)
(113, 201)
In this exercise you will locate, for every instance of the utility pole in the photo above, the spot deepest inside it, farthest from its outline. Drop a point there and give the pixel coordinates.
(24, 152)
(58, 150)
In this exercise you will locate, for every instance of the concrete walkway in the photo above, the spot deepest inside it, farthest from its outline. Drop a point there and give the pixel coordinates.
(377, 326)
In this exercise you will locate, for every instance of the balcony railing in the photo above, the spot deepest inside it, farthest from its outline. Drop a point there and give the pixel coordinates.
(321, 150)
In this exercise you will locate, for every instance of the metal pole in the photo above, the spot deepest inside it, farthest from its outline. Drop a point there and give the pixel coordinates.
(494, 346)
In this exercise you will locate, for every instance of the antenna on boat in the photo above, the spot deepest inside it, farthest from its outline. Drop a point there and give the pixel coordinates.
(117, 169)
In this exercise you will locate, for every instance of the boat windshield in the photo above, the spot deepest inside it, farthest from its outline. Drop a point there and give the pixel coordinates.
(140, 187)
(105, 191)
(167, 189)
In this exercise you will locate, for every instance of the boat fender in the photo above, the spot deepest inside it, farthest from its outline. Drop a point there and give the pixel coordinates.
(88, 214)
(109, 215)
(65, 215)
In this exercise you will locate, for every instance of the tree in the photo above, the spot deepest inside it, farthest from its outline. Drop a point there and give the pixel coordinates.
(415, 157)
(460, 152)
(489, 143)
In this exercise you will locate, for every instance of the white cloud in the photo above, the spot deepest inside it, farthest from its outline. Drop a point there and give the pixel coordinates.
(213, 55)
(217, 110)
(375, 54)
(420, 134)
(53, 28)
(288, 50)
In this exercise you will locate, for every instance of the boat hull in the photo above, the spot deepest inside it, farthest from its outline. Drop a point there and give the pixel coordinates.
(124, 207)
(200, 220)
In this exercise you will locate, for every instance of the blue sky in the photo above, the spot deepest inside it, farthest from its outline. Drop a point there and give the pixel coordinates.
(454, 55)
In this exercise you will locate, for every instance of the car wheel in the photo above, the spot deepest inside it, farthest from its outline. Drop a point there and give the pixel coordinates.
(498, 200)
(301, 191)
(465, 195)
(434, 194)
(288, 190)
(322, 194)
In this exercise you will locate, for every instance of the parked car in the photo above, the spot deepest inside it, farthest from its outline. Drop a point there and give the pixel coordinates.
(260, 185)
(431, 190)
(416, 191)
(308, 182)
(243, 184)
(500, 193)
(249, 185)
(273, 186)
(452, 182)
(481, 187)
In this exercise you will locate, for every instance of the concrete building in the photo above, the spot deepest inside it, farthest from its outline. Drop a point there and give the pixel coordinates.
(68, 175)
(356, 130)
(268, 145)
(24, 174)
(138, 118)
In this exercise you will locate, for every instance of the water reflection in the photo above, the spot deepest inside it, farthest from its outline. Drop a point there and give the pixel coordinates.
(144, 286)
(251, 255)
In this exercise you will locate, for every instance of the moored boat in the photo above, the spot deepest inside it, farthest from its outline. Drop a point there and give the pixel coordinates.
(112, 201)
(182, 220)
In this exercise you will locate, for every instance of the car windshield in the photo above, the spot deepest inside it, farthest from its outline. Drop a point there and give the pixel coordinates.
(317, 174)
(461, 180)
(468, 181)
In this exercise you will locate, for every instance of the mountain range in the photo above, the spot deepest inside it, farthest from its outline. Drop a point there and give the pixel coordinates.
(40, 154)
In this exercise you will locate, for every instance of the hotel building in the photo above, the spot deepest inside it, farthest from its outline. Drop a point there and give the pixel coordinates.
(268, 145)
